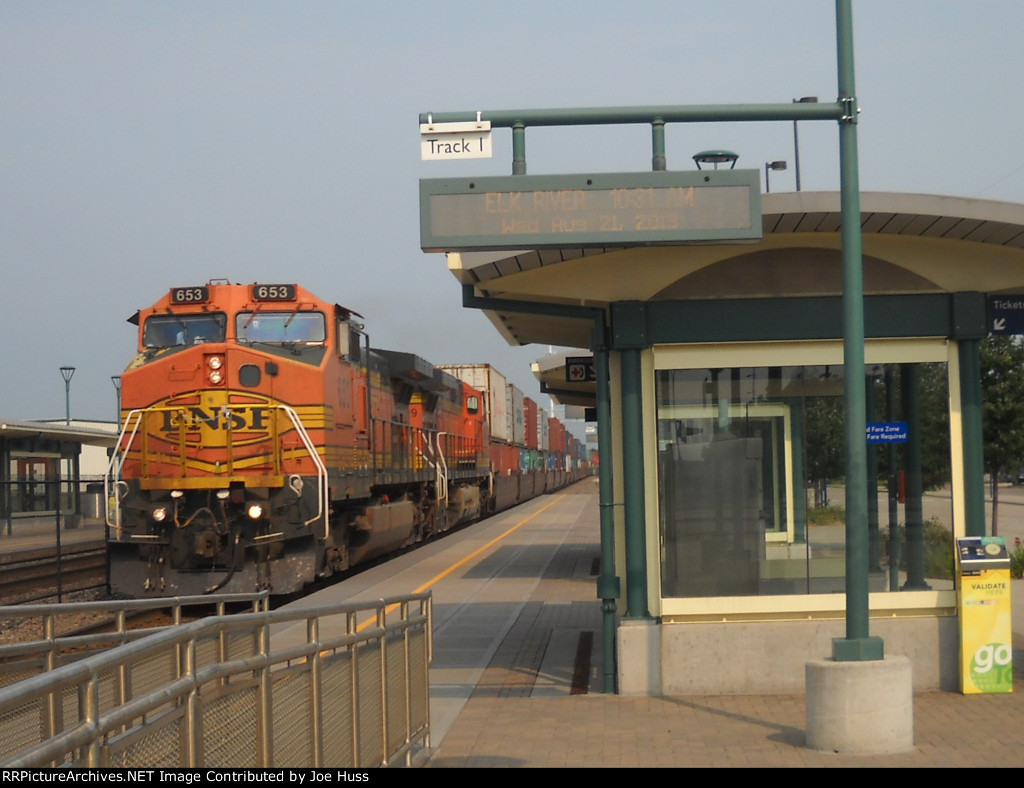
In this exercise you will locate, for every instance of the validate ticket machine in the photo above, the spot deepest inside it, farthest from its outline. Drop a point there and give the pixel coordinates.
(986, 653)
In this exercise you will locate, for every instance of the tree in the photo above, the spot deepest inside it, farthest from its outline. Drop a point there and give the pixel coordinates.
(1002, 386)
(824, 430)
(933, 389)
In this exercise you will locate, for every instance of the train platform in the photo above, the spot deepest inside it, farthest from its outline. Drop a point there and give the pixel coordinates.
(39, 534)
(517, 675)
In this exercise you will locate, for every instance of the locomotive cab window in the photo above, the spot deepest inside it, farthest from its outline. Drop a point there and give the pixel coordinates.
(281, 327)
(164, 331)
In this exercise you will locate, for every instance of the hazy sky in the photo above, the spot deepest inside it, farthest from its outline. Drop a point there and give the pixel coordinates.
(148, 144)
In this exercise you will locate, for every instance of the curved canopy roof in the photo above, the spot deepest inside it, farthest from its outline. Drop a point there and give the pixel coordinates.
(912, 243)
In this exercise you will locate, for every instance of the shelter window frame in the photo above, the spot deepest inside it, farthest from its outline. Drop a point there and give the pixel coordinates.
(800, 353)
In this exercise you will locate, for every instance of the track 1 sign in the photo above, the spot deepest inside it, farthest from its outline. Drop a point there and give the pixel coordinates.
(455, 141)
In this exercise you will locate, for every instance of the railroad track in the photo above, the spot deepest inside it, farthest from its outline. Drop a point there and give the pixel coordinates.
(43, 575)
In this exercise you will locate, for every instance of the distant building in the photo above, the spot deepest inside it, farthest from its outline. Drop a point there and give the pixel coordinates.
(45, 466)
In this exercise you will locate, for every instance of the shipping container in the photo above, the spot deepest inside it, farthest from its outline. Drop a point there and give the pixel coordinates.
(514, 412)
(542, 429)
(530, 414)
(491, 383)
(556, 436)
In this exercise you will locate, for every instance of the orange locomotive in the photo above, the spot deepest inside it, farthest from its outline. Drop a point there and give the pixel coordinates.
(265, 444)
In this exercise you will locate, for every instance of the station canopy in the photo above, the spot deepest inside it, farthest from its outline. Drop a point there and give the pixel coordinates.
(912, 244)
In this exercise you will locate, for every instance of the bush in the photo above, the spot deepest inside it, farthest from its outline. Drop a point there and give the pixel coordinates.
(939, 557)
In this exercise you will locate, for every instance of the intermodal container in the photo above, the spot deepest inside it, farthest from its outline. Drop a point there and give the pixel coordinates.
(492, 384)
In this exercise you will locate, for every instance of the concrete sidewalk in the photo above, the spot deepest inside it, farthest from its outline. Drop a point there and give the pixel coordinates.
(497, 728)
(517, 715)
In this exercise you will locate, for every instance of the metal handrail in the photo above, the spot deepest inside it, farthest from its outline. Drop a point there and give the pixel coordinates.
(442, 470)
(99, 726)
(323, 488)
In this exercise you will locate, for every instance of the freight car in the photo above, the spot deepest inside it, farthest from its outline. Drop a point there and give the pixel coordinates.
(265, 443)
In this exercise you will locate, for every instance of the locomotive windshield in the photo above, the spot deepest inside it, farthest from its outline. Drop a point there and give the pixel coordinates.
(281, 327)
(162, 331)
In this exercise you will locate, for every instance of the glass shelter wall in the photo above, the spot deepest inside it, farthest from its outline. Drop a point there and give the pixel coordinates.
(751, 492)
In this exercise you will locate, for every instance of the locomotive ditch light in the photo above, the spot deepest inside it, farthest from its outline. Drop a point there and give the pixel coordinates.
(160, 514)
(255, 511)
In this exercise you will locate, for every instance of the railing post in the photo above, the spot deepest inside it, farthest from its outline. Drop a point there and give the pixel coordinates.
(192, 746)
(382, 624)
(407, 680)
(353, 648)
(316, 690)
(92, 717)
(53, 711)
(265, 717)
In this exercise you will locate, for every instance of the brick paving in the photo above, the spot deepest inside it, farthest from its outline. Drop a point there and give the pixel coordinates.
(600, 730)
(506, 723)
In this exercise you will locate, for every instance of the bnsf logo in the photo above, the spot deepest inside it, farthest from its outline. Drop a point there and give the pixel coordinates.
(247, 419)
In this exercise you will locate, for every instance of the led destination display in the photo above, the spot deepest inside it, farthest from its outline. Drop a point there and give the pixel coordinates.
(536, 212)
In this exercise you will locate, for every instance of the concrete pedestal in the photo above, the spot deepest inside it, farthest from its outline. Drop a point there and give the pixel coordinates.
(639, 658)
(860, 708)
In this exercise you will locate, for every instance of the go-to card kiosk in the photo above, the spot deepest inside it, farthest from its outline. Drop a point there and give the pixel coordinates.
(986, 652)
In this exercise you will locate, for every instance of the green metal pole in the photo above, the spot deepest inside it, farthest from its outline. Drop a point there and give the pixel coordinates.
(659, 162)
(874, 542)
(608, 590)
(969, 352)
(895, 548)
(633, 485)
(913, 507)
(518, 149)
(796, 418)
(599, 116)
(857, 645)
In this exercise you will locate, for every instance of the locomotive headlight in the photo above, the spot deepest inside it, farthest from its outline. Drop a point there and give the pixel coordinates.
(216, 365)
(159, 514)
(255, 511)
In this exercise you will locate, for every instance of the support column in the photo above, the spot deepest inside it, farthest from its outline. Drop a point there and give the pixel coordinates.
(633, 485)
(969, 351)
(629, 338)
(857, 645)
(608, 590)
(859, 691)
(518, 148)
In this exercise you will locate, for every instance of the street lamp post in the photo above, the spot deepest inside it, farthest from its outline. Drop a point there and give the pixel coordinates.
(768, 167)
(116, 380)
(796, 139)
(66, 373)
